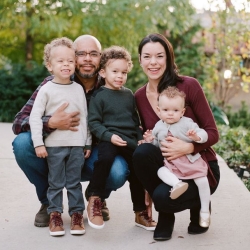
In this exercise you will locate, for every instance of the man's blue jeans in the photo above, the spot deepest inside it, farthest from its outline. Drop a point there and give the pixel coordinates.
(36, 169)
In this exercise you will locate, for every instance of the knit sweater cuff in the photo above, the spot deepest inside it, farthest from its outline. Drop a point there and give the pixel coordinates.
(87, 147)
(107, 136)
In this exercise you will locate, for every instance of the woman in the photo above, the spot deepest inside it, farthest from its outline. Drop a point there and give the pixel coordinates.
(157, 61)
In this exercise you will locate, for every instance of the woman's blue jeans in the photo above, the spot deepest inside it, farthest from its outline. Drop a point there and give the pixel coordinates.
(36, 169)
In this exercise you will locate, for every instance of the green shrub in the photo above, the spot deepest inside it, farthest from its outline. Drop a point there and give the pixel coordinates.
(17, 84)
(247, 183)
(219, 115)
(234, 148)
(240, 118)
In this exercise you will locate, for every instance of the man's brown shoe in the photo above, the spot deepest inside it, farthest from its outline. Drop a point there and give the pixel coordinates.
(94, 212)
(42, 217)
(77, 226)
(142, 220)
(105, 211)
(56, 224)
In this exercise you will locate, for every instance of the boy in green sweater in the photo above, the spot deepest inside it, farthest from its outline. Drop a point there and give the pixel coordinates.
(113, 119)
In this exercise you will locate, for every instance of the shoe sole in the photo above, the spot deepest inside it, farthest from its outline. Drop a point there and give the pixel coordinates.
(38, 224)
(59, 233)
(194, 233)
(94, 225)
(106, 218)
(178, 192)
(144, 227)
(162, 238)
(77, 232)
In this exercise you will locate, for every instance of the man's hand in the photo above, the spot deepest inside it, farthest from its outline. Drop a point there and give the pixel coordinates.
(41, 152)
(174, 148)
(64, 121)
(118, 141)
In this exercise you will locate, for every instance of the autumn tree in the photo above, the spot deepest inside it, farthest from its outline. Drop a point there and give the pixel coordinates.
(27, 25)
(226, 64)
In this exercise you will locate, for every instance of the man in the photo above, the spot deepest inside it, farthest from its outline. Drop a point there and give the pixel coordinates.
(88, 52)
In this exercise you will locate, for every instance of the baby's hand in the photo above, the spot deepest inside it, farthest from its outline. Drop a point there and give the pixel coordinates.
(41, 152)
(193, 135)
(148, 137)
(118, 141)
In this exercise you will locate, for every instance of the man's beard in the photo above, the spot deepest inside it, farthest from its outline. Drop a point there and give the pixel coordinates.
(86, 76)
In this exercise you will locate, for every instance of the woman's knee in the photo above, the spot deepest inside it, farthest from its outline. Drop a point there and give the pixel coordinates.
(161, 198)
(142, 151)
(146, 154)
(214, 166)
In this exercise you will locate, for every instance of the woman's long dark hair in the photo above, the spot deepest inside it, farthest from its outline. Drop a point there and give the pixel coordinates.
(170, 76)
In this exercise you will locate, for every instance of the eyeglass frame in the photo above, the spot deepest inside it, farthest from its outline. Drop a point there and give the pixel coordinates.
(84, 54)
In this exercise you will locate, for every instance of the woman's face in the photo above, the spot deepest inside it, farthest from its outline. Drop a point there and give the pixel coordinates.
(153, 60)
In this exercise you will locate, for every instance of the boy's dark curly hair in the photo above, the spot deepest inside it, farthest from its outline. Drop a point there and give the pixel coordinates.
(115, 52)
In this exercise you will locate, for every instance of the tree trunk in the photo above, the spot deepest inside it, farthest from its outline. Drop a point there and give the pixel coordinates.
(29, 38)
(28, 47)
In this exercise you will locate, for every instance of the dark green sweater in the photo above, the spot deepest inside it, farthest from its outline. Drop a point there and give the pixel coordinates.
(114, 112)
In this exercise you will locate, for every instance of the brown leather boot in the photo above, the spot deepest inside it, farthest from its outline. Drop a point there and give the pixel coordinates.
(42, 217)
(77, 226)
(142, 220)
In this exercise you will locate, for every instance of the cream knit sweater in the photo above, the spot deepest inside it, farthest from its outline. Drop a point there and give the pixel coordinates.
(49, 98)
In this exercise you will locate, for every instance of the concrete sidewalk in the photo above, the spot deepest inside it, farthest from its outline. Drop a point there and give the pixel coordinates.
(230, 227)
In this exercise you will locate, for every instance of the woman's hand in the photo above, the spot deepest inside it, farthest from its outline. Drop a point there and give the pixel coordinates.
(174, 148)
(141, 142)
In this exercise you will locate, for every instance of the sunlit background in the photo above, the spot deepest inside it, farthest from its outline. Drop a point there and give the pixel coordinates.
(215, 5)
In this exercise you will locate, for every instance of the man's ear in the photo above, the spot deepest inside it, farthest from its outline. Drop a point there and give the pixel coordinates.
(102, 73)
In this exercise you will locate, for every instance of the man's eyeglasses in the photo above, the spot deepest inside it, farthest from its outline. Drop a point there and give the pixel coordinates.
(92, 54)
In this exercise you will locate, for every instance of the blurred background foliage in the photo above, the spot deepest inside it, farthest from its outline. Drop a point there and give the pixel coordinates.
(27, 25)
